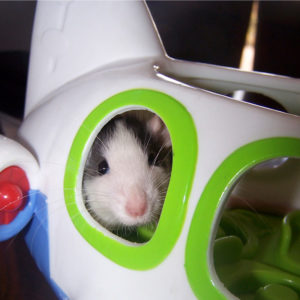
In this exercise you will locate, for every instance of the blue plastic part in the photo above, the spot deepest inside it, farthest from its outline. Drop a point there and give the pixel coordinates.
(36, 236)
(21, 220)
(37, 240)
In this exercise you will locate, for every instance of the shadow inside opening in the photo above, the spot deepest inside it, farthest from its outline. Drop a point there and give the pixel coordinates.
(127, 173)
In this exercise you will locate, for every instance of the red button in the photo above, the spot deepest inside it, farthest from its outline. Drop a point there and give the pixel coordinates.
(13, 191)
(11, 197)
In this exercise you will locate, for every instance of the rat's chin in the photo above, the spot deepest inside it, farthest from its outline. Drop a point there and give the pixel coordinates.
(130, 221)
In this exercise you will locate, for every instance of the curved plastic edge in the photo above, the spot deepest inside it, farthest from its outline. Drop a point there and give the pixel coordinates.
(58, 291)
(13, 153)
(198, 257)
(73, 38)
(224, 80)
(36, 236)
(184, 145)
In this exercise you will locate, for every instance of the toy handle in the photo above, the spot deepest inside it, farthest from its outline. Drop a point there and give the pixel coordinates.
(224, 80)
(18, 169)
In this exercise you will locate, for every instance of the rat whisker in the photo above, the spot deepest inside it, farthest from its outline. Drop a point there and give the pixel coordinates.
(145, 147)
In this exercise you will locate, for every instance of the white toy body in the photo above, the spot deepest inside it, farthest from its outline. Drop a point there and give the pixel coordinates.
(79, 64)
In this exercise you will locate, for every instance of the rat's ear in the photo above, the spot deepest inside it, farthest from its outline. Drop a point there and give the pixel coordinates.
(157, 127)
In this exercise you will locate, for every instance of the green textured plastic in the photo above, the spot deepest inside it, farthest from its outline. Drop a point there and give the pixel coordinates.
(184, 145)
(199, 265)
(257, 256)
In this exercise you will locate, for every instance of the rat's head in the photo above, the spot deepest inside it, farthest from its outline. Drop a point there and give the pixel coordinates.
(127, 171)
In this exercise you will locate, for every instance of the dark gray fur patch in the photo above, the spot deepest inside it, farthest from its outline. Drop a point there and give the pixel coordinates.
(152, 145)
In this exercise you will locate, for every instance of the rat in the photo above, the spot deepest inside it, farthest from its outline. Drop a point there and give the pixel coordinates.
(127, 171)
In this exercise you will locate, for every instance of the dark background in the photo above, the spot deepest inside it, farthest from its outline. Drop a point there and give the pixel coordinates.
(205, 31)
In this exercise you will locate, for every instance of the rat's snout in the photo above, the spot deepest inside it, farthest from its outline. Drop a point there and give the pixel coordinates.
(136, 204)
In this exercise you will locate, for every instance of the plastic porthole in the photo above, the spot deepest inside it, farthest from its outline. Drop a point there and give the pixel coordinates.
(203, 230)
(146, 255)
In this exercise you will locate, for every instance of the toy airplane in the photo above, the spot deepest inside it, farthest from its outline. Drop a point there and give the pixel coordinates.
(91, 60)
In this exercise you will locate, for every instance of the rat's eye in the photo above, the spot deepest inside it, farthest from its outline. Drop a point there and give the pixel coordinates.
(103, 167)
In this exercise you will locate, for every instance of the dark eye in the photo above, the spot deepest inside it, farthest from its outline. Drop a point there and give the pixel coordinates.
(103, 167)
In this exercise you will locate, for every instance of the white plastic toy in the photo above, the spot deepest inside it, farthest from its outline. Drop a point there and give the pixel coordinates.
(90, 61)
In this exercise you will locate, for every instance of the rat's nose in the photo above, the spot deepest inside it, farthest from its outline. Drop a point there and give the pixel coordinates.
(136, 205)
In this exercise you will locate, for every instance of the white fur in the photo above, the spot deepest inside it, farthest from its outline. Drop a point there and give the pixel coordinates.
(129, 174)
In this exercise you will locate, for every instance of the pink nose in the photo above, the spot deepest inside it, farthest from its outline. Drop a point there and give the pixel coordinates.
(136, 205)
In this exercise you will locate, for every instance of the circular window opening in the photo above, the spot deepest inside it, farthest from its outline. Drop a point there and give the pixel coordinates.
(162, 239)
(257, 246)
(126, 174)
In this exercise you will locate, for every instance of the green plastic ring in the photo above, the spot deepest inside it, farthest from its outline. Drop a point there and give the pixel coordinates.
(199, 264)
(184, 145)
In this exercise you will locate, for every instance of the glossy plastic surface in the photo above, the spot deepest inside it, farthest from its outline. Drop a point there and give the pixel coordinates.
(72, 38)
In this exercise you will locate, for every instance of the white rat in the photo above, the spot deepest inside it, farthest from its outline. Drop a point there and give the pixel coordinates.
(127, 172)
